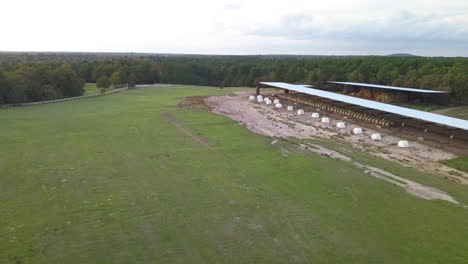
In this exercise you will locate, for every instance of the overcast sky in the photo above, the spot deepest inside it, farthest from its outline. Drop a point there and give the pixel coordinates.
(333, 27)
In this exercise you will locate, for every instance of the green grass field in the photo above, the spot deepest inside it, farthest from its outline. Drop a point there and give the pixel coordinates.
(459, 112)
(421, 106)
(118, 179)
(459, 163)
(90, 88)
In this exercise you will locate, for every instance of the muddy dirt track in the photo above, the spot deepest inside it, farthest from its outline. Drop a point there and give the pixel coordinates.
(267, 120)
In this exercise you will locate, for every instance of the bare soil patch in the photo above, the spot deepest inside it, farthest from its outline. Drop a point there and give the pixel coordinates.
(194, 102)
(266, 120)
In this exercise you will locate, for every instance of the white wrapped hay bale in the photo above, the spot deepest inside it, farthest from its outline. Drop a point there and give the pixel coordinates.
(340, 125)
(252, 98)
(259, 100)
(279, 106)
(357, 131)
(300, 112)
(268, 102)
(276, 101)
(326, 120)
(315, 115)
(266, 99)
(376, 137)
(290, 108)
(259, 96)
(403, 144)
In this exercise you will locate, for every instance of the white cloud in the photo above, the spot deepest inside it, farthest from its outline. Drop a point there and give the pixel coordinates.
(238, 27)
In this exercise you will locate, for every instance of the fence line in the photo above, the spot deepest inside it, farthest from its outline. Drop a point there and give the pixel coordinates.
(64, 99)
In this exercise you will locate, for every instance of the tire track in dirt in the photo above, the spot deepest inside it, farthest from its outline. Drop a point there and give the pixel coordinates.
(173, 120)
(411, 187)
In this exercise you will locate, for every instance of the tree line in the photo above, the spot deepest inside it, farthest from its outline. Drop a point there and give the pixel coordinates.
(31, 83)
(35, 80)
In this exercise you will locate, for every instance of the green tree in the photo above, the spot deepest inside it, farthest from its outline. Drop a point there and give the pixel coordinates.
(4, 87)
(67, 81)
(16, 91)
(131, 80)
(116, 78)
(37, 77)
(387, 73)
(354, 77)
(103, 83)
(103, 69)
(143, 72)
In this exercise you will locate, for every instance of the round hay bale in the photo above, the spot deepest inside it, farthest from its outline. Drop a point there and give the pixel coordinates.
(376, 137)
(403, 144)
(278, 105)
(316, 115)
(276, 101)
(357, 131)
(251, 98)
(326, 120)
(290, 108)
(340, 125)
(300, 112)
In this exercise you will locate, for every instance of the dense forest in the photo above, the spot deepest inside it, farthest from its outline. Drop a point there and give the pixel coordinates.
(42, 76)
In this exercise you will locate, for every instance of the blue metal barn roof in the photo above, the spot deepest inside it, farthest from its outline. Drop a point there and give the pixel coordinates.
(390, 87)
(403, 111)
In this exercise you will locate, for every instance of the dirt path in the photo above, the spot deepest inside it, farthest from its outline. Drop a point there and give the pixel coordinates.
(266, 120)
(172, 119)
(413, 188)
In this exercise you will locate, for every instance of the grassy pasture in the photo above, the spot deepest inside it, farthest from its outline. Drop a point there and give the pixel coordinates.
(90, 88)
(459, 163)
(420, 106)
(459, 112)
(112, 179)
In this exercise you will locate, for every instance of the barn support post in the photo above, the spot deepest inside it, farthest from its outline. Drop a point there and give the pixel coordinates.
(257, 90)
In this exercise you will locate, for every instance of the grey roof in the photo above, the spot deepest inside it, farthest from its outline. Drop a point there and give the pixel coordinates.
(389, 87)
(403, 111)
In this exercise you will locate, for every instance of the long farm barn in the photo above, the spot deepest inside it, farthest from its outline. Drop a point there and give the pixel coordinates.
(435, 129)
